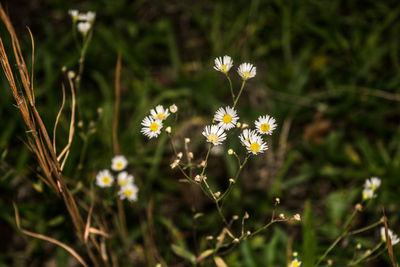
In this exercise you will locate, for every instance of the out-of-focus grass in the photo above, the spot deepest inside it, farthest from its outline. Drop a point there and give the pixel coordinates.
(330, 67)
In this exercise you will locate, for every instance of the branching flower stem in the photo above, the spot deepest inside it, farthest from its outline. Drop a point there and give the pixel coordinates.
(240, 92)
(231, 87)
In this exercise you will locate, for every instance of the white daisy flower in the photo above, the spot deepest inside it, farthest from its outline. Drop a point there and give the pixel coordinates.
(247, 71)
(173, 108)
(151, 127)
(119, 163)
(214, 134)
(74, 14)
(129, 192)
(104, 178)
(83, 27)
(253, 142)
(227, 117)
(295, 263)
(265, 125)
(124, 179)
(372, 183)
(368, 194)
(159, 113)
(89, 16)
(393, 237)
(223, 64)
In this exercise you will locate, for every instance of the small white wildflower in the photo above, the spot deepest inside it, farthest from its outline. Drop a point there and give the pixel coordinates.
(104, 178)
(227, 117)
(393, 237)
(265, 124)
(223, 64)
(124, 179)
(159, 113)
(74, 14)
(295, 263)
(119, 163)
(368, 194)
(214, 134)
(247, 71)
(168, 129)
(253, 142)
(151, 127)
(89, 16)
(173, 108)
(370, 186)
(84, 27)
(128, 192)
(373, 183)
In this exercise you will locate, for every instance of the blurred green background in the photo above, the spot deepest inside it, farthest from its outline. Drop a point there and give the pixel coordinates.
(327, 70)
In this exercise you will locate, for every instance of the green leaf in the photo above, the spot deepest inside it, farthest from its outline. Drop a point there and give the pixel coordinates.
(183, 253)
(309, 240)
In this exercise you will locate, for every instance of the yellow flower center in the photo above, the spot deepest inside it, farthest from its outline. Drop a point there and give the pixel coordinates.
(265, 127)
(160, 116)
(295, 263)
(106, 180)
(128, 193)
(212, 138)
(246, 74)
(373, 187)
(255, 147)
(227, 118)
(122, 182)
(223, 67)
(119, 165)
(154, 126)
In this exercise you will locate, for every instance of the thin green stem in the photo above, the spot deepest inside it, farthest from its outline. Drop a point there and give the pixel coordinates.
(365, 228)
(240, 92)
(366, 255)
(206, 160)
(337, 240)
(231, 87)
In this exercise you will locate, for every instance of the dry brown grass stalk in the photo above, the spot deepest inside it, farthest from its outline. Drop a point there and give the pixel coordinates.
(38, 139)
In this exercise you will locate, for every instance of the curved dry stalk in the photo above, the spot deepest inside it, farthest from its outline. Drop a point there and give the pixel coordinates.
(46, 238)
(58, 118)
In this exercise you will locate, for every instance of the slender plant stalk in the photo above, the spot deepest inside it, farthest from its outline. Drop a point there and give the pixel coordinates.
(240, 92)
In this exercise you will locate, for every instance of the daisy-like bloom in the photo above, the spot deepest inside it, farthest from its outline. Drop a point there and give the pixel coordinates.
(118, 163)
(368, 194)
(84, 27)
(151, 127)
(89, 16)
(253, 142)
(159, 113)
(223, 64)
(128, 192)
(173, 108)
(393, 237)
(265, 124)
(104, 178)
(295, 263)
(124, 179)
(370, 186)
(214, 134)
(247, 71)
(373, 183)
(227, 117)
(74, 14)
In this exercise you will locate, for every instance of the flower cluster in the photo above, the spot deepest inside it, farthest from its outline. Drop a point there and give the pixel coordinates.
(370, 186)
(127, 189)
(153, 123)
(224, 64)
(84, 20)
(227, 118)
